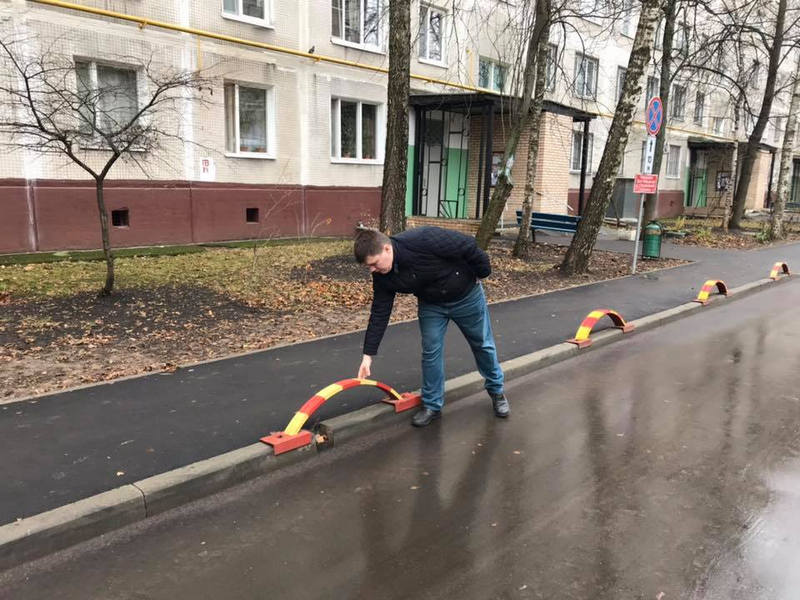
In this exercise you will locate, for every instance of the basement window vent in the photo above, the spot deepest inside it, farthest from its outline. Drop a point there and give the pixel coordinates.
(120, 218)
(251, 215)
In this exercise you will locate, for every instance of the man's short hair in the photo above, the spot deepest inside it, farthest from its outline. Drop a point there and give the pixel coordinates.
(369, 242)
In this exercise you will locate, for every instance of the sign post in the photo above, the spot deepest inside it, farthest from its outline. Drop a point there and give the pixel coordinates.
(647, 183)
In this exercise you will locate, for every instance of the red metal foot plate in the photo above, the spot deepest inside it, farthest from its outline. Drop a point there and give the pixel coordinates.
(408, 402)
(283, 442)
(581, 343)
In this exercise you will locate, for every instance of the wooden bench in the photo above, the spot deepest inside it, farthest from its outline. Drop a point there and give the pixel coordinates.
(566, 223)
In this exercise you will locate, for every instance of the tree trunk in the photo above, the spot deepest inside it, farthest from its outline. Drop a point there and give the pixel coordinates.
(395, 163)
(522, 121)
(753, 142)
(101, 208)
(651, 200)
(576, 260)
(776, 225)
(522, 245)
(731, 189)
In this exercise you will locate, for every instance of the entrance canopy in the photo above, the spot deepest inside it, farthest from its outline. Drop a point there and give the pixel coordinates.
(442, 167)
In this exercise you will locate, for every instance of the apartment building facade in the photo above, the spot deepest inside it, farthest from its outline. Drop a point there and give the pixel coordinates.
(291, 143)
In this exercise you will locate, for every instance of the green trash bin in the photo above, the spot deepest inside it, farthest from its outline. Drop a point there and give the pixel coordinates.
(651, 240)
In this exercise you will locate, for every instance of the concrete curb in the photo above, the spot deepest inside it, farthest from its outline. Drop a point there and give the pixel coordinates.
(54, 530)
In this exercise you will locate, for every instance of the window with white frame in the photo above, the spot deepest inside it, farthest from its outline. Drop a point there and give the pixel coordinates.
(357, 21)
(550, 67)
(653, 88)
(354, 130)
(678, 102)
(659, 39)
(251, 11)
(627, 27)
(431, 33)
(585, 76)
(699, 107)
(776, 132)
(249, 120)
(673, 161)
(620, 81)
(718, 125)
(108, 95)
(491, 75)
(577, 151)
(680, 38)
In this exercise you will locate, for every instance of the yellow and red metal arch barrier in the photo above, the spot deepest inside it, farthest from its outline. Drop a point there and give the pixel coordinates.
(708, 287)
(582, 339)
(294, 436)
(777, 268)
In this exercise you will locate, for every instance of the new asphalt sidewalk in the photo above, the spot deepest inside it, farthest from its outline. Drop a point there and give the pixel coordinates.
(63, 447)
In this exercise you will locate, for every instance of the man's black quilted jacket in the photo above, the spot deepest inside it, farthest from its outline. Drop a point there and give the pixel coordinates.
(436, 265)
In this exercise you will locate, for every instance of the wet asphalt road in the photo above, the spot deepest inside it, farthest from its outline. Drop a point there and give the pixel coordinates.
(665, 466)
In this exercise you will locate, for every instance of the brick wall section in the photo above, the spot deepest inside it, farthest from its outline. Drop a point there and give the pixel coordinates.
(759, 182)
(552, 174)
(469, 226)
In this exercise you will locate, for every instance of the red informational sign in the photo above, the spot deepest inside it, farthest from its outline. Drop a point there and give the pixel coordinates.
(645, 184)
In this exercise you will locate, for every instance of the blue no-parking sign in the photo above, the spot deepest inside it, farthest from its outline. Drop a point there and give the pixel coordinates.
(655, 115)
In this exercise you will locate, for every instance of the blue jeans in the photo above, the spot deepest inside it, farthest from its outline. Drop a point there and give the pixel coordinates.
(471, 314)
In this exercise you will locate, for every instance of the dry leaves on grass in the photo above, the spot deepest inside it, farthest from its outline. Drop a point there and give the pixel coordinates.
(187, 308)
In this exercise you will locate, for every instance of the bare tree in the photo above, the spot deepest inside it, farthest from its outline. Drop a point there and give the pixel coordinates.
(395, 164)
(776, 224)
(774, 45)
(522, 121)
(576, 259)
(521, 246)
(52, 105)
(665, 83)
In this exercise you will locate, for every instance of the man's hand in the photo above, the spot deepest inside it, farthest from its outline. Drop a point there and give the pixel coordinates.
(363, 370)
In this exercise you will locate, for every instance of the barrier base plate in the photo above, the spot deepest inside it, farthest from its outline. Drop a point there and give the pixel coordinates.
(407, 402)
(581, 343)
(283, 442)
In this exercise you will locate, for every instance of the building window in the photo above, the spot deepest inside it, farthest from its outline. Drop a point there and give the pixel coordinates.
(678, 102)
(653, 85)
(699, 107)
(552, 64)
(620, 81)
(719, 125)
(120, 218)
(659, 39)
(252, 11)
(585, 76)
(680, 39)
(431, 33)
(251, 215)
(627, 27)
(491, 75)
(356, 21)
(673, 161)
(108, 97)
(776, 133)
(354, 130)
(577, 150)
(249, 129)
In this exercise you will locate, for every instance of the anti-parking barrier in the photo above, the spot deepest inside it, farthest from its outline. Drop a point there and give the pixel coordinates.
(294, 436)
(777, 268)
(708, 287)
(582, 339)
